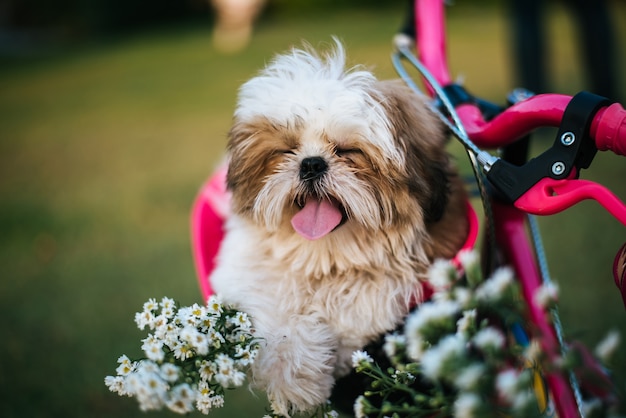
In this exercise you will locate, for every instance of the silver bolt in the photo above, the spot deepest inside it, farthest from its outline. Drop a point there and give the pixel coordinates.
(568, 138)
(558, 168)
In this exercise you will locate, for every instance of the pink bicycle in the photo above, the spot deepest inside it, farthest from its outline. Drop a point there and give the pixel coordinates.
(512, 189)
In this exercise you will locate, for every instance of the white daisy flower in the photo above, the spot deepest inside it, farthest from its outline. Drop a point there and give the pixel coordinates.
(168, 313)
(198, 311)
(244, 356)
(207, 323)
(124, 370)
(546, 295)
(153, 348)
(441, 274)
(168, 333)
(216, 338)
(148, 402)
(360, 356)
(204, 404)
(214, 305)
(463, 296)
(241, 320)
(182, 351)
(392, 343)
(150, 305)
(224, 375)
(197, 340)
(359, 407)
(467, 405)
(132, 384)
(186, 318)
(115, 384)
(434, 359)
(415, 347)
(468, 259)
(489, 339)
(222, 360)
(125, 366)
(217, 401)
(155, 384)
(147, 366)
(147, 386)
(123, 359)
(469, 377)
(170, 372)
(237, 378)
(506, 384)
(207, 369)
(493, 288)
(430, 313)
(167, 303)
(159, 321)
(144, 319)
(182, 399)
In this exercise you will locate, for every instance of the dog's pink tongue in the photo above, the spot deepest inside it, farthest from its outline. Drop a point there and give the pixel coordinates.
(317, 218)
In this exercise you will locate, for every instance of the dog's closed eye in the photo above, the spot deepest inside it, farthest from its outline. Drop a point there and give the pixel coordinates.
(347, 151)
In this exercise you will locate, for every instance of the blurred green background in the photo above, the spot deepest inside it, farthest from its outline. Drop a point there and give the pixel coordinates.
(107, 132)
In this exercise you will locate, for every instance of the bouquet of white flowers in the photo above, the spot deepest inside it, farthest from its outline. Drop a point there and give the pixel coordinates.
(191, 356)
(459, 356)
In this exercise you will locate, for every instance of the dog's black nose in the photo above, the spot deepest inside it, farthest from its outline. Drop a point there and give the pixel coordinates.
(312, 168)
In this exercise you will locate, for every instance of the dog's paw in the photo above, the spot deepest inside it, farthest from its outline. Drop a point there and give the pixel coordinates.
(303, 394)
(295, 365)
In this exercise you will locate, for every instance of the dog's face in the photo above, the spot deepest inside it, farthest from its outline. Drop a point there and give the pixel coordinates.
(317, 150)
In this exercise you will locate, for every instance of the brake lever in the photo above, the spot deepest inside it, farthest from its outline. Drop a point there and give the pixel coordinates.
(549, 196)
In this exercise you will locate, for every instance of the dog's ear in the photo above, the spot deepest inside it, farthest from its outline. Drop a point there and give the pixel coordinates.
(440, 190)
(247, 163)
(422, 136)
(428, 174)
(254, 152)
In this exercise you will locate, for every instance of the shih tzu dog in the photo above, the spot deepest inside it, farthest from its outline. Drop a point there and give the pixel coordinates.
(342, 195)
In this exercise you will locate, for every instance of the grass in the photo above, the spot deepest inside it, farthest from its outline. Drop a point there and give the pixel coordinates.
(102, 150)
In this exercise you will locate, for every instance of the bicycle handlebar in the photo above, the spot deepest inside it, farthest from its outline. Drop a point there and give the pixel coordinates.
(608, 128)
(513, 123)
(604, 124)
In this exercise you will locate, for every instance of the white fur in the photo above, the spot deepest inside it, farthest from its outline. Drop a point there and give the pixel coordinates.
(301, 86)
(313, 303)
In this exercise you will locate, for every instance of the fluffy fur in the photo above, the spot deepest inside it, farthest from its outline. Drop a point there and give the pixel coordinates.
(314, 302)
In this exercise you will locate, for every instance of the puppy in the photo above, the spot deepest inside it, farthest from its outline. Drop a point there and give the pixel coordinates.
(342, 195)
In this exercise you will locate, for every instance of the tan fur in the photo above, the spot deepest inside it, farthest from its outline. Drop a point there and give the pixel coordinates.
(314, 302)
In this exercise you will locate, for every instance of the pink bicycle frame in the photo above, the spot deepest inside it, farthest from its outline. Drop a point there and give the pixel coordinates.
(609, 130)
